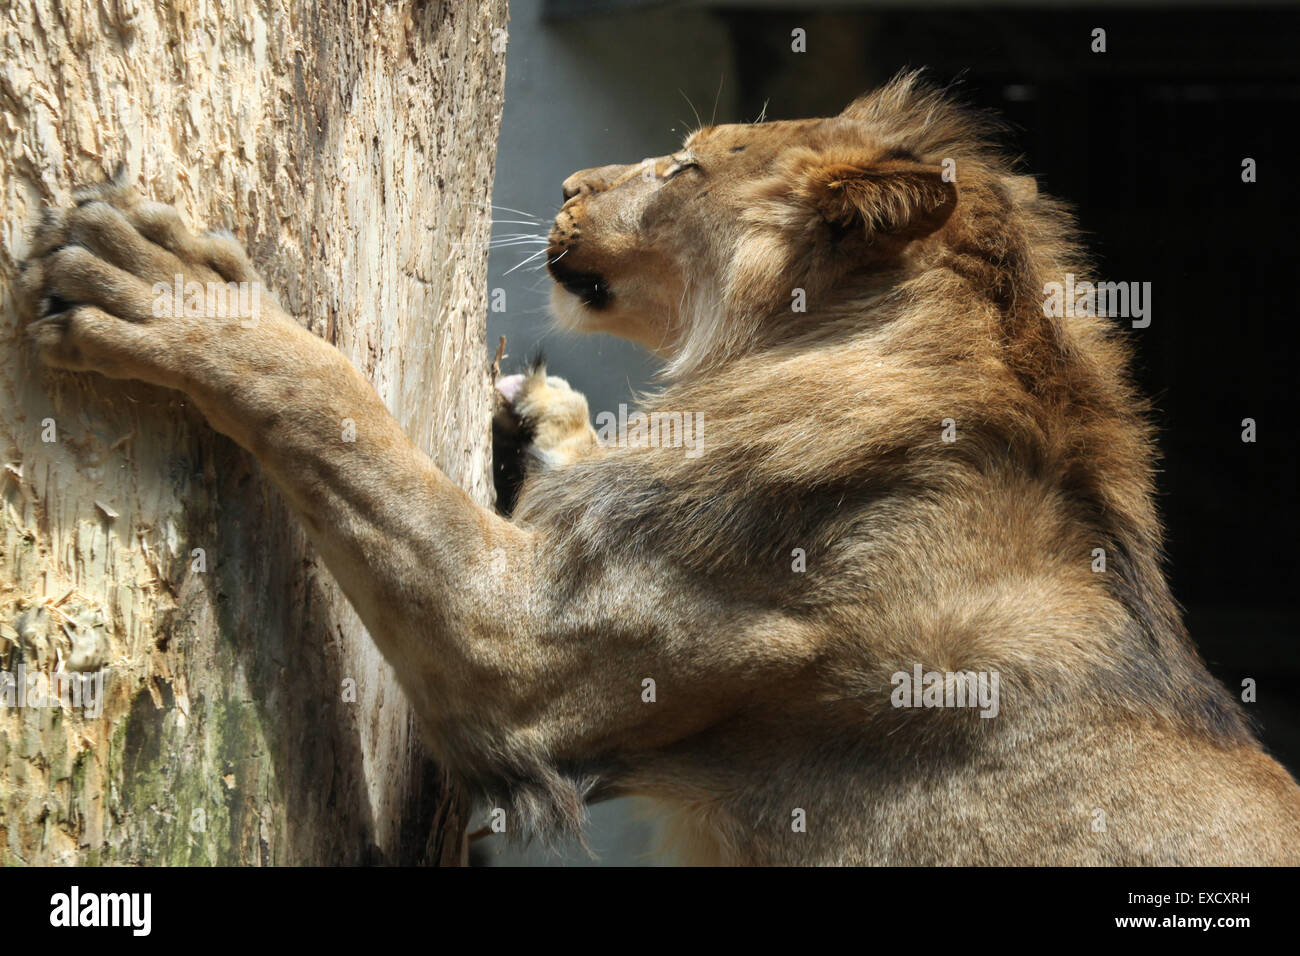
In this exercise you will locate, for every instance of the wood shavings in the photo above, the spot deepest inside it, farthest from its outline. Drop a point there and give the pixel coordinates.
(496, 362)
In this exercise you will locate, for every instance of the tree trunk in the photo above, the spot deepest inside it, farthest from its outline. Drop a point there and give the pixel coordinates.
(246, 715)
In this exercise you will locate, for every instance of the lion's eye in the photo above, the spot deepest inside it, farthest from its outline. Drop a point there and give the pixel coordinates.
(681, 168)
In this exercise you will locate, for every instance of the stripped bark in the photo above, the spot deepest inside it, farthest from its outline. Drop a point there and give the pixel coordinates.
(247, 717)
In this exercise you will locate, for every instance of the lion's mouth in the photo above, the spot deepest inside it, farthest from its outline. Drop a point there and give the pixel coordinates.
(590, 287)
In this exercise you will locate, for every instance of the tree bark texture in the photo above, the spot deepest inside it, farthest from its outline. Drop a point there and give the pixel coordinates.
(246, 716)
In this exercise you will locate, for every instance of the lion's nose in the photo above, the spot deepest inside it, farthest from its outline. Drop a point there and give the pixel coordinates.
(589, 181)
(573, 186)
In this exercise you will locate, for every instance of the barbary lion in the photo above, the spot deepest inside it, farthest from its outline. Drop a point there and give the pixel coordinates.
(866, 623)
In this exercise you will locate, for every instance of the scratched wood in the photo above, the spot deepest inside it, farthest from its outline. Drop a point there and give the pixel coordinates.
(351, 147)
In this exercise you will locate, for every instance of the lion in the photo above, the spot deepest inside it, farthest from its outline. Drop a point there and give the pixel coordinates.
(867, 623)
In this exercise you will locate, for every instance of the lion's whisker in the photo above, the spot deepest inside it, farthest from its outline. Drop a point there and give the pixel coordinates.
(538, 253)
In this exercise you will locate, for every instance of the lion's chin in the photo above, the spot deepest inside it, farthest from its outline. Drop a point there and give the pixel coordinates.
(570, 313)
(590, 288)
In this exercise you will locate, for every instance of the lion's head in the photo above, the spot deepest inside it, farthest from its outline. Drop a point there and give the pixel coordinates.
(722, 245)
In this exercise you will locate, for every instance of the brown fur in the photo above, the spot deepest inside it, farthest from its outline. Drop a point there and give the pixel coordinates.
(823, 433)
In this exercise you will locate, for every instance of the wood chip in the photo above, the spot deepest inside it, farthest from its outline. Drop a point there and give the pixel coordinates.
(496, 362)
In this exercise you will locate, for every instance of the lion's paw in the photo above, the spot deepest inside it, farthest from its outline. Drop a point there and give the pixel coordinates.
(540, 421)
(117, 284)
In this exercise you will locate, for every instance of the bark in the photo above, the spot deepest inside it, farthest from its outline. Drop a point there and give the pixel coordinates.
(351, 147)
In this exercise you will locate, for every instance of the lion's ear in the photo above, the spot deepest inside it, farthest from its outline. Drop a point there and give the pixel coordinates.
(902, 199)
